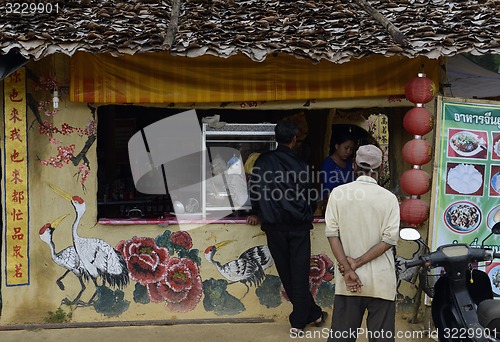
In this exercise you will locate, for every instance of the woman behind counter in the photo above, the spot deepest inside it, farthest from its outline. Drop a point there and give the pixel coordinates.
(337, 168)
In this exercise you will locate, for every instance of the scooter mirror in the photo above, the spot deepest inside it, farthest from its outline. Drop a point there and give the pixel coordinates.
(410, 234)
(496, 228)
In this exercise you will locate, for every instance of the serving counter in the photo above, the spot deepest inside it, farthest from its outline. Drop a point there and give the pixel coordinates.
(173, 220)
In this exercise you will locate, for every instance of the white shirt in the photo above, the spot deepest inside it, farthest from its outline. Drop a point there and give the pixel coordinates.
(363, 214)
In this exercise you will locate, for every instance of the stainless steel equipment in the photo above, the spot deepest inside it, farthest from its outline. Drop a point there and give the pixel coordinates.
(230, 150)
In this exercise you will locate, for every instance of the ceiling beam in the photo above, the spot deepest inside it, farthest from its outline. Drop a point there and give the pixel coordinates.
(397, 35)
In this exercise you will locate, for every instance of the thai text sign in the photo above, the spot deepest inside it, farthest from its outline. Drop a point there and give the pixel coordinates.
(16, 180)
(467, 176)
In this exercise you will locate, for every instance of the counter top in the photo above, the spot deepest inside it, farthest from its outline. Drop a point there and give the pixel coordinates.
(173, 220)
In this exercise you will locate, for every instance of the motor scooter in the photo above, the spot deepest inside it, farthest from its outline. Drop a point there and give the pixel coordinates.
(463, 308)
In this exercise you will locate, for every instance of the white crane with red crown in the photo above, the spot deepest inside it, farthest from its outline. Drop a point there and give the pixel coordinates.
(66, 258)
(97, 257)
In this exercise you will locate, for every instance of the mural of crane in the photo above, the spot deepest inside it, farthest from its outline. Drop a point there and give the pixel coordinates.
(97, 257)
(248, 269)
(66, 258)
(260, 254)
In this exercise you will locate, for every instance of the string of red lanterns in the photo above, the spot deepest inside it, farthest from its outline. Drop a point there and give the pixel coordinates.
(417, 152)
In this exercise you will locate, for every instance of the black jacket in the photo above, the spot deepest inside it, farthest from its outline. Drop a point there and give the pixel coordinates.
(279, 190)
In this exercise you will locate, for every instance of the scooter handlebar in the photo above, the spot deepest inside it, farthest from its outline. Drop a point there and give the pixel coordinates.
(438, 257)
(413, 263)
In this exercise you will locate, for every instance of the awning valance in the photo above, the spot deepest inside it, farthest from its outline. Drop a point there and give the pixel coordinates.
(163, 78)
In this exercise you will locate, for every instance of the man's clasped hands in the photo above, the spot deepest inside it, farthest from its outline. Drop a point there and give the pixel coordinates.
(352, 281)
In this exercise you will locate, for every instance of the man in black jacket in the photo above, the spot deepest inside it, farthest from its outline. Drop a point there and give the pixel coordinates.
(280, 195)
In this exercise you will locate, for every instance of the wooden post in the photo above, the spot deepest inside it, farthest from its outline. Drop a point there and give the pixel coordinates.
(173, 25)
(397, 35)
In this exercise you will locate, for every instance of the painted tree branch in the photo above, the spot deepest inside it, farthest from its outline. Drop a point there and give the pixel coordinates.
(173, 26)
(33, 105)
(83, 153)
(397, 35)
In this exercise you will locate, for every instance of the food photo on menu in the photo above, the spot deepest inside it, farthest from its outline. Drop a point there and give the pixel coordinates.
(495, 141)
(495, 180)
(467, 143)
(493, 216)
(493, 272)
(464, 179)
(462, 217)
(493, 268)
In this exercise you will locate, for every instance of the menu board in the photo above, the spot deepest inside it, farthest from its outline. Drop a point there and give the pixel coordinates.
(466, 195)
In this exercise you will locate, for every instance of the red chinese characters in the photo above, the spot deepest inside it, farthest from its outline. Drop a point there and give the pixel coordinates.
(16, 185)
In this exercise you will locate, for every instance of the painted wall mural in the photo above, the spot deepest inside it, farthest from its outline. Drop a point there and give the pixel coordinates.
(167, 269)
(408, 299)
(320, 278)
(404, 273)
(97, 259)
(248, 268)
(66, 258)
(49, 107)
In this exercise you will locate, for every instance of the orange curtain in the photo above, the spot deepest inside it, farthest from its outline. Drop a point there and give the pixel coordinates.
(163, 78)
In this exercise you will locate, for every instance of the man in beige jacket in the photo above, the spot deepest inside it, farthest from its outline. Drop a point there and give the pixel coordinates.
(362, 226)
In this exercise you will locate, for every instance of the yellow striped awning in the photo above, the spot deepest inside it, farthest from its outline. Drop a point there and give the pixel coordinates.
(163, 78)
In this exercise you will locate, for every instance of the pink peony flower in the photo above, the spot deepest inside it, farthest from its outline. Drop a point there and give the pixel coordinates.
(320, 271)
(182, 238)
(146, 262)
(181, 288)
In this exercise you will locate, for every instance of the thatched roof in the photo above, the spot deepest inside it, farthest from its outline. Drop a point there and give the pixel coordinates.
(335, 30)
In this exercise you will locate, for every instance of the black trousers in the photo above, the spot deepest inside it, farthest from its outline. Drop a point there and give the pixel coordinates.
(348, 312)
(291, 251)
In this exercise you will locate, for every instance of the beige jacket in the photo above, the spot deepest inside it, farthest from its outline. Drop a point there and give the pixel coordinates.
(362, 214)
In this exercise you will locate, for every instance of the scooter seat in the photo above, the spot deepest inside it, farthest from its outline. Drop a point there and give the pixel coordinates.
(488, 313)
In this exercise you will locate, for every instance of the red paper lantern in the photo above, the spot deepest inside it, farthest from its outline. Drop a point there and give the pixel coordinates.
(420, 89)
(417, 152)
(414, 211)
(418, 121)
(415, 182)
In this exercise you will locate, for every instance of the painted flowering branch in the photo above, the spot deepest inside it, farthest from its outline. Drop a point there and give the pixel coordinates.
(65, 154)
(91, 127)
(51, 85)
